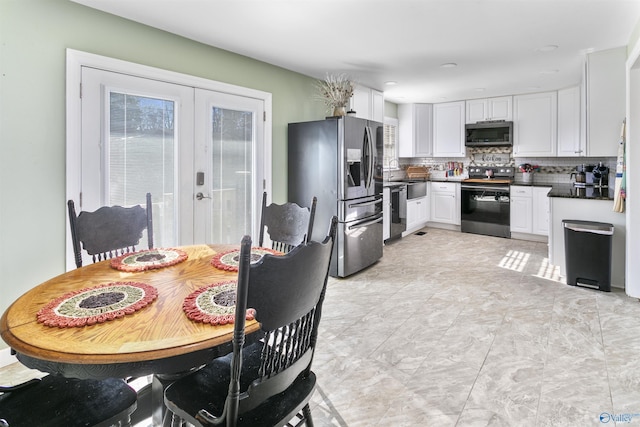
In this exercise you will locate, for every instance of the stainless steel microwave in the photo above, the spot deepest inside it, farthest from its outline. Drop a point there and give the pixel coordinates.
(491, 133)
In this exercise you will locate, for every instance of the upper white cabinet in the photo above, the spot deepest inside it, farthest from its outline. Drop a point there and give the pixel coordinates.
(368, 103)
(499, 108)
(448, 129)
(605, 80)
(570, 142)
(415, 123)
(535, 124)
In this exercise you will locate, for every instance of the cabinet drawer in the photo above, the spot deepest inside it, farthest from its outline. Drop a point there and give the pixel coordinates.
(521, 191)
(443, 187)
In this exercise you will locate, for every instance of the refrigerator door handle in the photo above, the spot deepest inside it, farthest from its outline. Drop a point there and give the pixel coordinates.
(370, 160)
(369, 203)
(366, 223)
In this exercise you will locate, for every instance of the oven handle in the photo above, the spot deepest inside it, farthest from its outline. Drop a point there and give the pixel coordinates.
(366, 223)
(483, 187)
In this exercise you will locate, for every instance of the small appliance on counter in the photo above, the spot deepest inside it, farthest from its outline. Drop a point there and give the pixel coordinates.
(591, 176)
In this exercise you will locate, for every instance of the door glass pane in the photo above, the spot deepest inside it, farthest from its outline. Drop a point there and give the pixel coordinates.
(141, 159)
(232, 159)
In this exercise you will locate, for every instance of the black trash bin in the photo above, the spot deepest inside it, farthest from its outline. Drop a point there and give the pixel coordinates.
(587, 250)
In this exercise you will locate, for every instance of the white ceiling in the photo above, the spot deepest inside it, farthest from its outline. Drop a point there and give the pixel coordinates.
(496, 44)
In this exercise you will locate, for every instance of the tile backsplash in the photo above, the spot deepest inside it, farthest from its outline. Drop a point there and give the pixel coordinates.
(552, 170)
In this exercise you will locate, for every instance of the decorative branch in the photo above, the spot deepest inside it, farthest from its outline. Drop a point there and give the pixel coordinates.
(335, 91)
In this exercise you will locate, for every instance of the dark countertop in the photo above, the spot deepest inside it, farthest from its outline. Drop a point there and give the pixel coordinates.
(569, 191)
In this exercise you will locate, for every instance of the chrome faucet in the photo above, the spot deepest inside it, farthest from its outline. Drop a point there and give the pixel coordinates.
(391, 162)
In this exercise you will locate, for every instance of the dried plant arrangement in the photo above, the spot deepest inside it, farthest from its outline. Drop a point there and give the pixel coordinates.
(335, 91)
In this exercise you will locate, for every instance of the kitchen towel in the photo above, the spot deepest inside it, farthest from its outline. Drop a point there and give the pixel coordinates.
(619, 191)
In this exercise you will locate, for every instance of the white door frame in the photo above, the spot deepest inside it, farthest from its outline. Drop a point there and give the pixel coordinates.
(78, 59)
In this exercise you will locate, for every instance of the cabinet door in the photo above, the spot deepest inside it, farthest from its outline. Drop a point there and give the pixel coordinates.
(448, 129)
(412, 214)
(417, 215)
(535, 128)
(521, 216)
(443, 204)
(476, 110)
(386, 213)
(414, 130)
(500, 108)
(361, 102)
(377, 106)
(606, 80)
(570, 144)
(540, 211)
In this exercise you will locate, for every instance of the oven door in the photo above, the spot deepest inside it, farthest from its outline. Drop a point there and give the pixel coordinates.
(485, 209)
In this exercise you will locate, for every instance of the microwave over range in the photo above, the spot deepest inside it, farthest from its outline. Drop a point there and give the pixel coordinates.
(489, 133)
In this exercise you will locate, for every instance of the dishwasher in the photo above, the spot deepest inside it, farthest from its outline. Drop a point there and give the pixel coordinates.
(398, 222)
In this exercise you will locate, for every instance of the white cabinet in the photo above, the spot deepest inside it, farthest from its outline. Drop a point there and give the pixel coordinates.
(415, 130)
(570, 141)
(377, 106)
(367, 103)
(417, 213)
(448, 129)
(499, 108)
(445, 202)
(530, 210)
(535, 124)
(386, 213)
(540, 200)
(605, 80)
(521, 209)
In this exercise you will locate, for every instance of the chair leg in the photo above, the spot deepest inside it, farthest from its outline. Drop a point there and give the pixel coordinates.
(306, 411)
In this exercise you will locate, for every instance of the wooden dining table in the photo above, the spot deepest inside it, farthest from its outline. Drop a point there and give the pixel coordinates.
(159, 339)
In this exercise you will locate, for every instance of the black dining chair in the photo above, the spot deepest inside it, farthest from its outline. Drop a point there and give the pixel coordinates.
(55, 401)
(109, 231)
(270, 382)
(288, 225)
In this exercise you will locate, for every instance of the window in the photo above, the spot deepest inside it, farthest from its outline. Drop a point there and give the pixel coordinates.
(390, 156)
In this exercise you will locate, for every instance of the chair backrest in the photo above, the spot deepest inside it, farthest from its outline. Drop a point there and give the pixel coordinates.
(287, 293)
(288, 225)
(109, 231)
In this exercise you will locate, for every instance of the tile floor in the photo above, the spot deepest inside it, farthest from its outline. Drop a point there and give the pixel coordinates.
(454, 329)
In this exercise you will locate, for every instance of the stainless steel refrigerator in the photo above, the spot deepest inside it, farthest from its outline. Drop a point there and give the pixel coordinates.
(339, 161)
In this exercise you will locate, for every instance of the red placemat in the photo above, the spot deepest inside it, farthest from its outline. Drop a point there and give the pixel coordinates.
(214, 304)
(97, 304)
(148, 259)
(230, 260)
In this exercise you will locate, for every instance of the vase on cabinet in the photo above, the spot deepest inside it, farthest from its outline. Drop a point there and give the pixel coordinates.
(340, 111)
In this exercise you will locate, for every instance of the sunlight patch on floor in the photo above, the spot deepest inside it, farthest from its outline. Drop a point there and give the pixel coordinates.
(514, 260)
(549, 271)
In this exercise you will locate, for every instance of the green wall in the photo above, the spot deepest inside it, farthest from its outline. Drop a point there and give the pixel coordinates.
(33, 37)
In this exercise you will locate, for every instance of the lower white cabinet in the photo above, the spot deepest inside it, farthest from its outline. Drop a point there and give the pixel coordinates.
(530, 210)
(445, 202)
(541, 210)
(417, 213)
(386, 213)
(521, 209)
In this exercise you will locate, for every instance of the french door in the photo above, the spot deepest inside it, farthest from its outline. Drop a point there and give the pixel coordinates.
(199, 152)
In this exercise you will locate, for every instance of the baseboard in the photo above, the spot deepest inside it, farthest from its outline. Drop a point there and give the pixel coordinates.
(6, 358)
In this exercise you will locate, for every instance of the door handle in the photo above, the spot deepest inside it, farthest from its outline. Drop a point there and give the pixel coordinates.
(201, 196)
